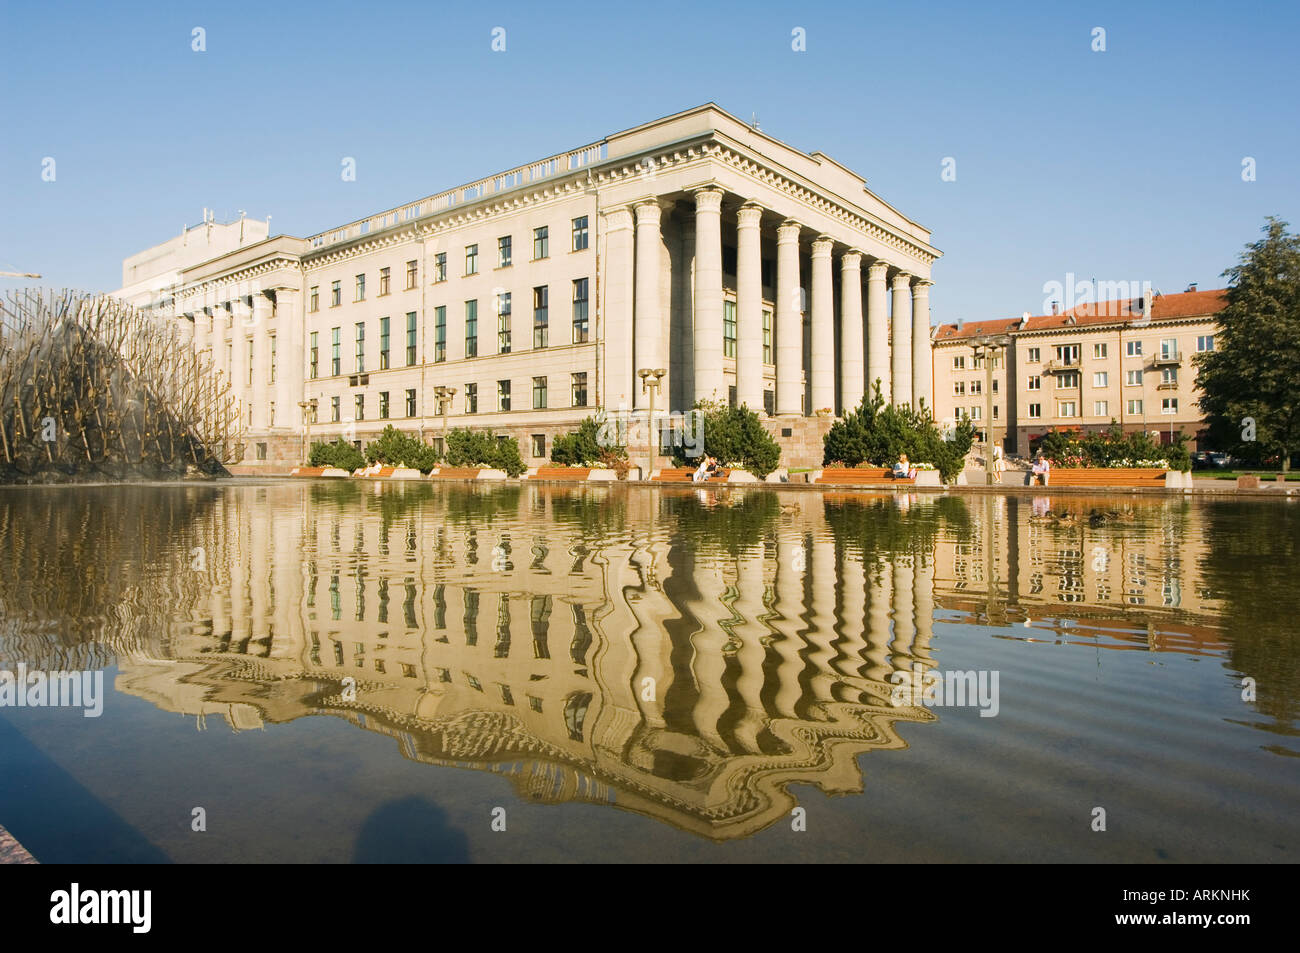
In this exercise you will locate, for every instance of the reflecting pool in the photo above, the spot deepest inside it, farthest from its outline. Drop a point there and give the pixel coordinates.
(332, 672)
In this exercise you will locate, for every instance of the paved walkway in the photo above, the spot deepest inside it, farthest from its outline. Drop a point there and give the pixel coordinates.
(12, 852)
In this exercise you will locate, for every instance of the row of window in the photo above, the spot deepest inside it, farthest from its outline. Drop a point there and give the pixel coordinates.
(1101, 408)
(505, 257)
(1069, 353)
(504, 399)
(1070, 379)
(580, 325)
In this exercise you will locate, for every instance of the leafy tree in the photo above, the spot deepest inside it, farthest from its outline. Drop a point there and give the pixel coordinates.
(1113, 448)
(1250, 379)
(878, 433)
(737, 438)
(394, 448)
(339, 454)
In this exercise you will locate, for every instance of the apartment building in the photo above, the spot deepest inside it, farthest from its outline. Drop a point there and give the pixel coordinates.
(1114, 362)
(733, 266)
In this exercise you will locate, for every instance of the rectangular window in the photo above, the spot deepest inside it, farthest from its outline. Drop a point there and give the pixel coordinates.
(385, 274)
(412, 273)
(976, 412)
(360, 405)
(440, 333)
(334, 409)
(383, 343)
(410, 402)
(1100, 379)
(336, 293)
(361, 348)
(1134, 407)
(1133, 378)
(539, 445)
(1169, 405)
(580, 233)
(728, 329)
(1035, 410)
(976, 387)
(440, 266)
(995, 385)
(315, 353)
(580, 389)
(315, 298)
(1168, 376)
(503, 395)
(336, 351)
(1067, 380)
(767, 336)
(539, 393)
(471, 259)
(1065, 408)
(1168, 348)
(1034, 356)
(1133, 348)
(503, 251)
(361, 288)
(503, 323)
(383, 405)
(541, 243)
(580, 311)
(1099, 351)
(272, 367)
(959, 362)
(1205, 342)
(250, 366)
(1067, 353)
(1035, 383)
(471, 329)
(471, 398)
(410, 338)
(541, 315)
(1100, 408)
(959, 388)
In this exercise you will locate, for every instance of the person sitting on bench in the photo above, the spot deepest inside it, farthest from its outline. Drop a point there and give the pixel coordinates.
(903, 470)
(1042, 468)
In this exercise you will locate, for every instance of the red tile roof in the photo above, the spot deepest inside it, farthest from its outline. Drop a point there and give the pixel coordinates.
(1186, 304)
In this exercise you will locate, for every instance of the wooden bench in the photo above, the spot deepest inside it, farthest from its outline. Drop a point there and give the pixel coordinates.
(561, 473)
(306, 471)
(383, 473)
(684, 474)
(851, 475)
(1103, 476)
(456, 473)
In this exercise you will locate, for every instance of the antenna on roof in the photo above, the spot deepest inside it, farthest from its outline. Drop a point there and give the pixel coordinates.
(753, 121)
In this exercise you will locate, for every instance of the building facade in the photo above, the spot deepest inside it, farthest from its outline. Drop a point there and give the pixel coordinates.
(1112, 363)
(696, 246)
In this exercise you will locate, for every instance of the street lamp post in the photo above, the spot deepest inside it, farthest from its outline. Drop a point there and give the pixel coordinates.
(444, 395)
(987, 347)
(308, 412)
(650, 381)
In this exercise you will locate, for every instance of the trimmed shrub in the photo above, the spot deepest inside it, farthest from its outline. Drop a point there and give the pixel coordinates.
(582, 448)
(877, 434)
(1114, 449)
(394, 449)
(476, 448)
(339, 454)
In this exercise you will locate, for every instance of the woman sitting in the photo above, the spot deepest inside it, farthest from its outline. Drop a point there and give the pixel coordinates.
(903, 469)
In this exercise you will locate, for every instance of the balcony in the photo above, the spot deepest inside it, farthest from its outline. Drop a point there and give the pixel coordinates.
(1058, 367)
(1167, 385)
(1166, 358)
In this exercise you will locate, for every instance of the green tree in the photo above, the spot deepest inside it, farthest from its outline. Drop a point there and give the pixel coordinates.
(737, 438)
(1250, 379)
(339, 454)
(394, 448)
(582, 447)
(878, 433)
(477, 448)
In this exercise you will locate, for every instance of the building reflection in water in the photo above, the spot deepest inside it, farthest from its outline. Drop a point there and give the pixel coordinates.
(685, 655)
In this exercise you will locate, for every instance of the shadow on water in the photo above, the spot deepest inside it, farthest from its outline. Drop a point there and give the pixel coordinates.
(411, 830)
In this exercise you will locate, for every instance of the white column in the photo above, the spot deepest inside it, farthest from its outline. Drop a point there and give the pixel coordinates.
(220, 333)
(877, 330)
(823, 327)
(620, 383)
(749, 310)
(709, 384)
(649, 312)
(202, 337)
(851, 354)
(922, 369)
(239, 319)
(290, 357)
(901, 345)
(260, 330)
(789, 321)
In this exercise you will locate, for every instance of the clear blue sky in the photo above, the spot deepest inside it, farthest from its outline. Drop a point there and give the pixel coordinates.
(1122, 165)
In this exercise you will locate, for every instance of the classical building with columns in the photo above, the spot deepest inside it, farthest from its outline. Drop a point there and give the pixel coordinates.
(744, 269)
